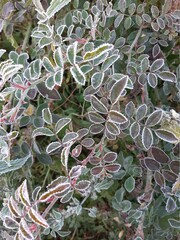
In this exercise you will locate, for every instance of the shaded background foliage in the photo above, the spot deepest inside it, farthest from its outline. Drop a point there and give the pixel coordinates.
(89, 122)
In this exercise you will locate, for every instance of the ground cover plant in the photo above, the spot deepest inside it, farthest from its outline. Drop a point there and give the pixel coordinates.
(89, 119)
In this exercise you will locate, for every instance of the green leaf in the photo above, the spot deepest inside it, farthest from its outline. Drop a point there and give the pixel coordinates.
(56, 6)
(45, 41)
(127, 23)
(156, 65)
(129, 184)
(147, 138)
(97, 79)
(48, 65)
(53, 146)
(109, 62)
(174, 223)
(167, 76)
(47, 116)
(12, 165)
(91, 55)
(78, 75)
(58, 57)
(154, 118)
(44, 158)
(72, 52)
(61, 123)
(42, 131)
(117, 89)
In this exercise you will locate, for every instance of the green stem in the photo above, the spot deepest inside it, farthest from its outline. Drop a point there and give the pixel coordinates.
(44, 182)
(134, 43)
(26, 39)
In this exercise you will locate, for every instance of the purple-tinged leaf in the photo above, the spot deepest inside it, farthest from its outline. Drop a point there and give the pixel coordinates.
(23, 194)
(117, 117)
(147, 138)
(7, 9)
(174, 223)
(37, 218)
(113, 168)
(154, 118)
(17, 236)
(134, 129)
(13, 207)
(156, 65)
(53, 191)
(97, 170)
(151, 164)
(61, 123)
(96, 128)
(156, 51)
(98, 105)
(159, 179)
(10, 223)
(175, 166)
(167, 76)
(170, 205)
(95, 160)
(49, 94)
(25, 231)
(141, 112)
(53, 146)
(160, 155)
(87, 142)
(58, 181)
(110, 157)
(76, 151)
(82, 185)
(95, 117)
(112, 128)
(166, 135)
(69, 137)
(66, 198)
(117, 89)
(82, 132)
(109, 136)
(169, 176)
(75, 171)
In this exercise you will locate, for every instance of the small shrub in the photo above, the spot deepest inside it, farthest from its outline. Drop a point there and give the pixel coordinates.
(89, 122)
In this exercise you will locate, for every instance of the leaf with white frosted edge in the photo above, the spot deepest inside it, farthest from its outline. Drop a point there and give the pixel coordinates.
(170, 205)
(98, 105)
(61, 123)
(47, 116)
(97, 79)
(69, 137)
(53, 146)
(130, 109)
(13, 208)
(78, 75)
(96, 128)
(65, 156)
(72, 52)
(82, 185)
(151, 164)
(117, 117)
(117, 89)
(174, 223)
(10, 223)
(109, 62)
(25, 231)
(141, 112)
(2, 51)
(50, 83)
(45, 41)
(112, 128)
(67, 197)
(18, 236)
(152, 79)
(86, 68)
(113, 168)
(12, 165)
(166, 135)
(95, 117)
(129, 184)
(58, 77)
(147, 138)
(134, 130)
(167, 76)
(156, 65)
(110, 157)
(154, 118)
(48, 65)
(75, 171)
(37, 218)
(57, 181)
(42, 131)
(97, 52)
(56, 6)
(58, 57)
(23, 194)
